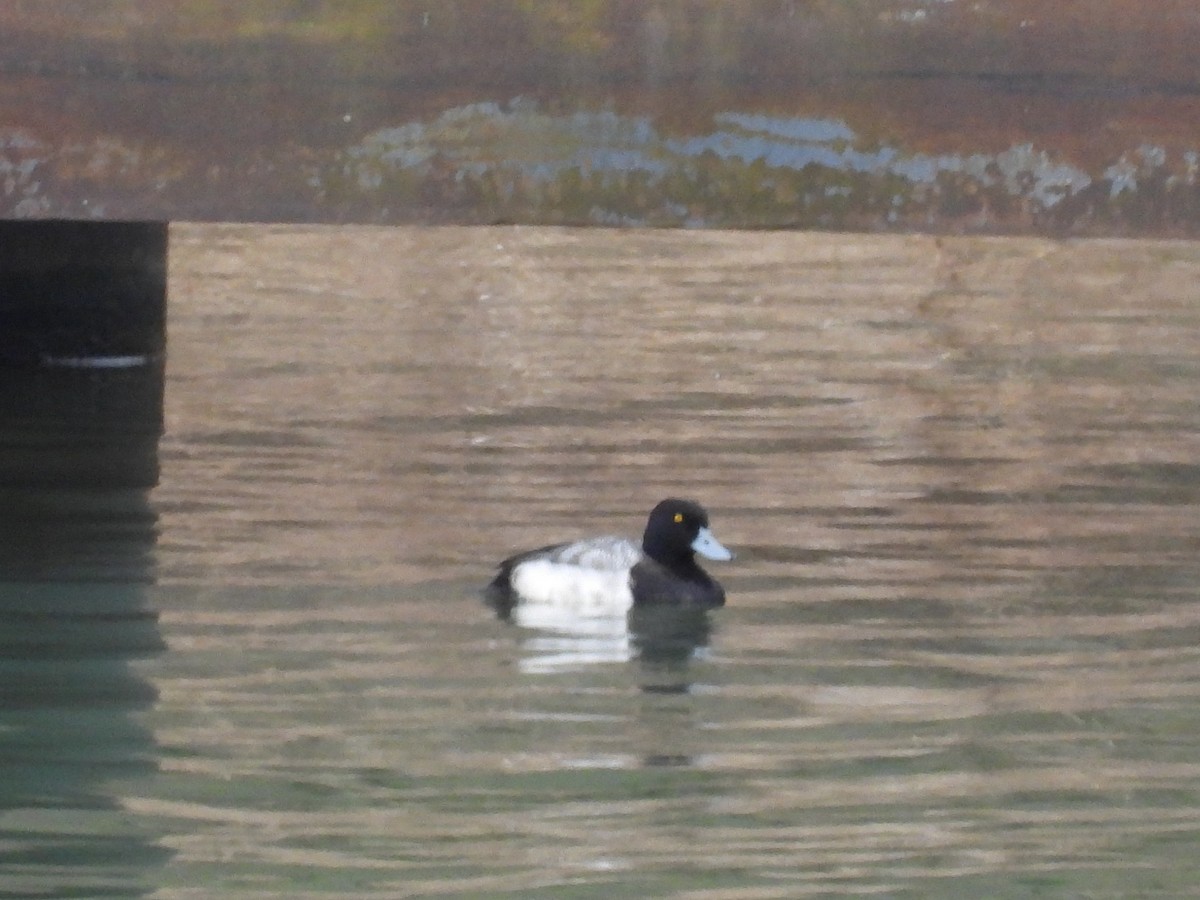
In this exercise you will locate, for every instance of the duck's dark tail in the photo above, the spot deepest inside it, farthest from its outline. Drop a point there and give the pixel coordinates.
(499, 594)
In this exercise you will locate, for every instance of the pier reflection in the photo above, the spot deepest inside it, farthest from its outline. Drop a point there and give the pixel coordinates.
(78, 456)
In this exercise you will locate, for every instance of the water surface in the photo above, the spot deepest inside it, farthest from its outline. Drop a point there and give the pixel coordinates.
(960, 650)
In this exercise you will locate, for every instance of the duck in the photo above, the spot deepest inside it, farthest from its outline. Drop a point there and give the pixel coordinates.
(608, 576)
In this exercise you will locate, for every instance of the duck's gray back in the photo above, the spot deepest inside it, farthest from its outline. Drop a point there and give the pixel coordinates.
(608, 553)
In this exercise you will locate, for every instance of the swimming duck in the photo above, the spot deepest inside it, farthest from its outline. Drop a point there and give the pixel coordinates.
(606, 576)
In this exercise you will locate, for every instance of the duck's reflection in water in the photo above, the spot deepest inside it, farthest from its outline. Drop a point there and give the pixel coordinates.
(661, 639)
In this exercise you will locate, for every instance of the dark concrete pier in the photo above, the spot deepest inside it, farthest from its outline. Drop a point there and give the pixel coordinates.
(83, 325)
(83, 295)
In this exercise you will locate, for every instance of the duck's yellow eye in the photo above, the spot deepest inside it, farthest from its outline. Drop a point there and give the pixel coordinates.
(678, 518)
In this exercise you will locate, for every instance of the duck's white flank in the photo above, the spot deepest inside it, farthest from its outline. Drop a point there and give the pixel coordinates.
(589, 578)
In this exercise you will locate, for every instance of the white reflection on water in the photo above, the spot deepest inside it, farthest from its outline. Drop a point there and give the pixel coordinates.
(568, 642)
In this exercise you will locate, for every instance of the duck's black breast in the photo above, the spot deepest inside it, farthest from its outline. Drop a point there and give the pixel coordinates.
(657, 585)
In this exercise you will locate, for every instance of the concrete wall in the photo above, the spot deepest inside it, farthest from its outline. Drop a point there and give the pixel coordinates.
(990, 116)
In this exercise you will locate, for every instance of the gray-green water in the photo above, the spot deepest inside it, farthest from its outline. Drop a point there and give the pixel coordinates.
(960, 655)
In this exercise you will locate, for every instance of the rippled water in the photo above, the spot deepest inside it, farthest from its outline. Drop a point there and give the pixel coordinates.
(960, 653)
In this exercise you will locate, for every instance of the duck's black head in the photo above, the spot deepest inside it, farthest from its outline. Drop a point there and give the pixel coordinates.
(676, 531)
